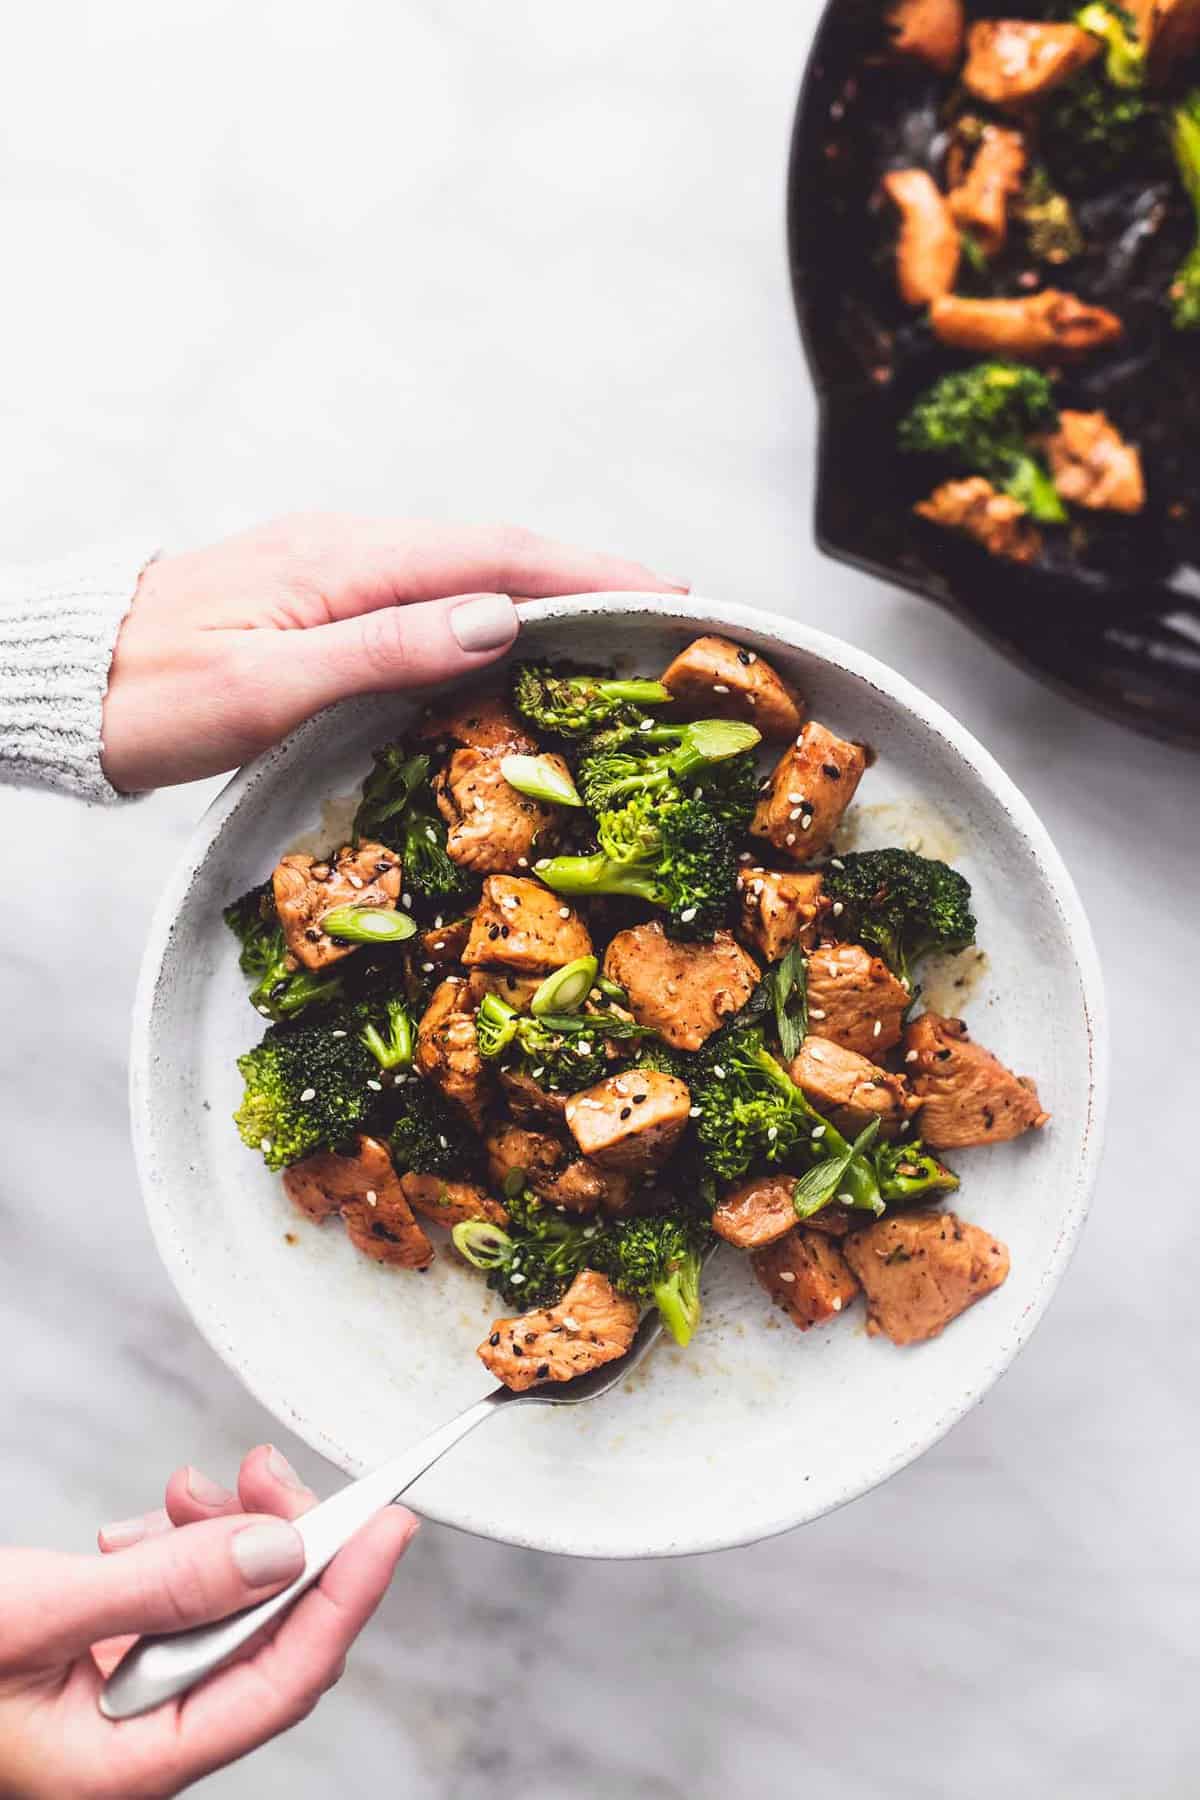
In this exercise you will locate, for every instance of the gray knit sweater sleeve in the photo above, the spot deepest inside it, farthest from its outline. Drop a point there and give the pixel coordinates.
(58, 626)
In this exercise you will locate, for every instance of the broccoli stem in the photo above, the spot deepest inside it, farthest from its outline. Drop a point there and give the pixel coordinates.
(595, 874)
(637, 693)
(1033, 486)
(678, 1300)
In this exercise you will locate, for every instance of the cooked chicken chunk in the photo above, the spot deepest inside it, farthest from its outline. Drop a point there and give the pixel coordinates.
(528, 1102)
(517, 990)
(522, 925)
(1092, 464)
(447, 1050)
(682, 991)
(1012, 61)
(810, 788)
(1052, 323)
(481, 722)
(778, 909)
(592, 1324)
(449, 1202)
(854, 1000)
(967, 1094)
(714, 679)
(630, 1121)
(995, 520)
(851, 1089)
(444, 943)
(928, 248)
(1171, 30)
(756, 1212)
(979, 203)
(365, 1189)
(491, 826)
(552, 1170)
(807, 1275)
(308, 887)
(930, 30)
(919, 1270)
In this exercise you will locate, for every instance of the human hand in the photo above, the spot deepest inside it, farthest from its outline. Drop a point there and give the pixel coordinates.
(226, 649)
(65, 1620)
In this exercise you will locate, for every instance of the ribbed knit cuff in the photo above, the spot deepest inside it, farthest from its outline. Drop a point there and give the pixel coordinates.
(58, 627)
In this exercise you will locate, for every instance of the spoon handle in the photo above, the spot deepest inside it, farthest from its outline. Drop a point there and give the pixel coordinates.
(160, 1668)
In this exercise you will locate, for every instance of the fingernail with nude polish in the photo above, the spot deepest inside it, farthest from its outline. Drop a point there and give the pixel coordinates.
(281, 1470)
(205, 1490)
(123, 1532)
(486, 623)
(268, 1552)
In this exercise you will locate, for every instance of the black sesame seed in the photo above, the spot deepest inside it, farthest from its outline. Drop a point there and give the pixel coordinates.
(516, 1349)
(504, 931)
(543, 1369)
(625, 1111)
(493, 932)
(494, 1339)
(744, 657)
(832, 770)
(638, 1099)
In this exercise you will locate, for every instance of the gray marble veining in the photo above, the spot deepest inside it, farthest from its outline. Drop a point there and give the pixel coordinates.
(527, 262)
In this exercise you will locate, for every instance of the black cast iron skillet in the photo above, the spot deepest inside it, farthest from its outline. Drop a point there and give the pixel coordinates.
(1110, 614)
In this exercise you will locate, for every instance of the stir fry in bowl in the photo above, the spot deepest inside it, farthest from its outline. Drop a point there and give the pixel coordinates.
(590, 988)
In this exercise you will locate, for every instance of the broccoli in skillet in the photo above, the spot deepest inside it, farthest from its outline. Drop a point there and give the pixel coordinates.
(1185, 143)
(902, 906)
(308, 1086)
(656, 1261)
(397, 809)
(572, 705)
(281, 990)
(980, 419)
(1092, 127)
(673, 853)
(562, 1052)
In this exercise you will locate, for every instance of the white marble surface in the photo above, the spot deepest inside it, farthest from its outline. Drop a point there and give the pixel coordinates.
(527, 262)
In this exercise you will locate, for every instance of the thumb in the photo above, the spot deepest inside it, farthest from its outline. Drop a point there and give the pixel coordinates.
(57, 1606)
(393, 648)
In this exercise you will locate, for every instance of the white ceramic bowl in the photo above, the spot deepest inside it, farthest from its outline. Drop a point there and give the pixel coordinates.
(757, 1427)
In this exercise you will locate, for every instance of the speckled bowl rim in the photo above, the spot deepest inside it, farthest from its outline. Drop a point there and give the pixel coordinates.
(702, 614)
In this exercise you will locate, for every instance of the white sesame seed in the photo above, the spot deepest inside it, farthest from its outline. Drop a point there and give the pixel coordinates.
(818, 1131)
(265, 1145)
(479, 803)
(743, 856)
(441, 944)
(437, 923)
(376, 1087)
(564, 912)
(799, 743)
(815, 1012)
(836, 1303)
(796, 799)
(583, 1049)
(517, 1280)
(846, 1199)
(719, 687)
(786, 1275)
(718, 1071)
(540, 1070)
(693, 1112)
(443, 1141)
(427, 966)
(838, 909)
(264, 1010)
(835, 862)
(752, 656)
(911, 1056)
(751, 699)
(337, 1034)
(687, 915)
(772, 1133)
(309, 1094)
(371, 1197)
(876, 1028)
(790, 838)
(806, 821)
(832, 969)
(795, 813)
(406, 902)
(646, 725)
(355, 881)
(522, 862)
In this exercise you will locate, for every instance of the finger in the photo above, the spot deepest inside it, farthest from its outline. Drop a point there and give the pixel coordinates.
(62, 1604)
(267, 1483)
(192, 1495)
(123, 1534)
(379, 562)
(286, 676)
(242, 1706)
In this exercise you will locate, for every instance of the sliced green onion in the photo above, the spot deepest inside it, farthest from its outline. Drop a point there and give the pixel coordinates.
(613, 989)
(715, 739)
(538, 777)
(483, 1245)
(367, 925)
(567, 989)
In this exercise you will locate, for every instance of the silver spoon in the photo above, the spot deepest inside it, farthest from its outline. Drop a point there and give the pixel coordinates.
(156, 1669)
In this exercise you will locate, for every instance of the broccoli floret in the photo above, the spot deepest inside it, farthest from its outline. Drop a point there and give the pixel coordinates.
(653, 1053)
(902, 906)
(306, 1088)
(573, 705)
(752, 1113)
(979, 419)
(1051, 228)
(427, 1136)
(673, 854)
(607, 779)
(1091, 128)
(536, 1259)
(907, 1172)
(281, 990)
(396, 810)
(562, 1052)
(657, 1261)
(1185, 143)
(386, 1028)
